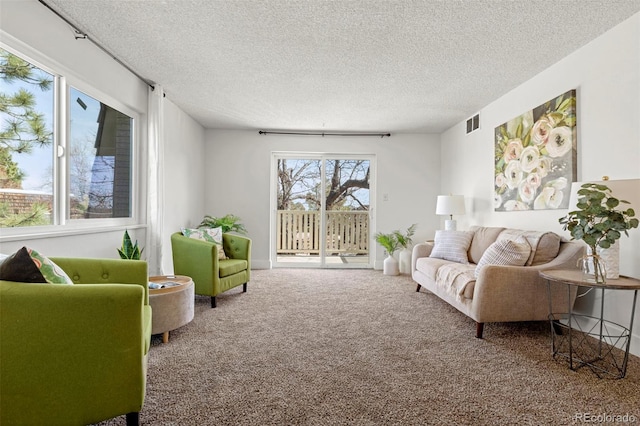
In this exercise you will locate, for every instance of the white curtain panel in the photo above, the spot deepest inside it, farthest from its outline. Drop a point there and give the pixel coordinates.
(155, 181)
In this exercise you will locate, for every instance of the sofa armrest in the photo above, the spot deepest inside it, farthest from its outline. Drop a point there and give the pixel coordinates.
(197, 259)
(420, 250)
(237, 247)
(62, 343)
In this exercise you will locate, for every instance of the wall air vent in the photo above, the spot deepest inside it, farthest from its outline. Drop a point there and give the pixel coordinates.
(473, 123)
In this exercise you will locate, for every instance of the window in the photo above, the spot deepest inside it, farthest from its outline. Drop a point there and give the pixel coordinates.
(99, 159)
(26, 143)
(45, 180)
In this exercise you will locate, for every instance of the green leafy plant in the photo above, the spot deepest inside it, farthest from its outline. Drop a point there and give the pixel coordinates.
(129, 250)
(405, 240)
(388, 241)
(228, 223)
(597, 221)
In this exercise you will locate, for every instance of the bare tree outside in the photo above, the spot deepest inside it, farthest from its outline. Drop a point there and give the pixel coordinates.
(299, 184)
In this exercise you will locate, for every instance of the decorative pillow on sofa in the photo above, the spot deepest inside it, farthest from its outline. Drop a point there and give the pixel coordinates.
(544, 245)
(505, 252)
(29, 266)
(212, 235)
(452, 245)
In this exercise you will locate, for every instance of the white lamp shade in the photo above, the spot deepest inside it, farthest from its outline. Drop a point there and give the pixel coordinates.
(450, 205)
(626, 189)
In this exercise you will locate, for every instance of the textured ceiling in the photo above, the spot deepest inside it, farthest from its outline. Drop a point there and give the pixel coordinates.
(343, 65)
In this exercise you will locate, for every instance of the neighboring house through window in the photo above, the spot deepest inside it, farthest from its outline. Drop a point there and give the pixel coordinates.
(61, 162)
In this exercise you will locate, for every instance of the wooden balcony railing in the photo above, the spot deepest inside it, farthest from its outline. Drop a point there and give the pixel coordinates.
(298, 232)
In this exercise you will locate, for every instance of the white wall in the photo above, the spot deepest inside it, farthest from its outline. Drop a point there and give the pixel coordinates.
(606, 74)
(183, 174)
(238, 179)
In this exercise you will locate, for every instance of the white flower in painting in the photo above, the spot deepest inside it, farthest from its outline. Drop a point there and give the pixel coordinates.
(497, 200)
(513, 174)
(559, 184)
(544, 167)
(529, 158)
(513, 150)
(500, 180)
(534, 180)
(540, 131)
(551, 195)
(560, 142)
(513, 205)
(526, 192)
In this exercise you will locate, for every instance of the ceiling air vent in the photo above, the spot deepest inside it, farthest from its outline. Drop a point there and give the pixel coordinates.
(473, 123)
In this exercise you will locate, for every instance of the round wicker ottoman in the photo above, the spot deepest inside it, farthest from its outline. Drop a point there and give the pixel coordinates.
(171, 303)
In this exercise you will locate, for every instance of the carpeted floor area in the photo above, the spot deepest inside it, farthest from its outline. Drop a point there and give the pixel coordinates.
(356, 347)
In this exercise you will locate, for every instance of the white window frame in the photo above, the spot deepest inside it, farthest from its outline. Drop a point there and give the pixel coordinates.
(62, 225)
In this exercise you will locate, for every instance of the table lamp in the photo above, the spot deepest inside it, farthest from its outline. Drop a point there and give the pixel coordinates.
(450, 205)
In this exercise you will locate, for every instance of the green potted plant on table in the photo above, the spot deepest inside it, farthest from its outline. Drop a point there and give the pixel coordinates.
(598, 223)
(390, 243)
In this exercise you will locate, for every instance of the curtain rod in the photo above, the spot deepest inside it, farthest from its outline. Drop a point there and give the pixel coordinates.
(323, 134)
(84, 36)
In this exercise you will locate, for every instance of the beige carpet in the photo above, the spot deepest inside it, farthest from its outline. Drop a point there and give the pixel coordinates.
(355, 347)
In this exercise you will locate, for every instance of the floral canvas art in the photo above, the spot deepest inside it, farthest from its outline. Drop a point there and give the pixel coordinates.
(535, 157)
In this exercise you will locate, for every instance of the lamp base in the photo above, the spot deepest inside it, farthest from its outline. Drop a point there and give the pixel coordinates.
(450, 225)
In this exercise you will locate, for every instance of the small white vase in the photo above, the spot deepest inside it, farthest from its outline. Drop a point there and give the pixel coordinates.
(390, 266)
(404, 259)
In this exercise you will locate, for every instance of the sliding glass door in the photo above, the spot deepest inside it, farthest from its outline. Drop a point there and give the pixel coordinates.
(322, 214)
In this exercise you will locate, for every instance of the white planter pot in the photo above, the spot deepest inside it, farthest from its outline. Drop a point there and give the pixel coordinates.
(390, 266)
(404, 260)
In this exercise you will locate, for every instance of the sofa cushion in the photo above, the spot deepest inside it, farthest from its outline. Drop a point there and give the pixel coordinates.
(505, 252)
(456, 279)
(212, 235)
(28, 266)
(231, 266)
(452, 245)
(429, 266)
(483, 237)
(549, 249)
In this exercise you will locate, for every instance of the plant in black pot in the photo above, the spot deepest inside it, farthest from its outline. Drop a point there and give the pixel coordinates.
(598, 221)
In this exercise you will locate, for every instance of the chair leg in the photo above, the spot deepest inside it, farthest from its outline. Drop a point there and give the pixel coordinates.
(133, 419)
(479, 329)
(213, 301)
(418, 288)
(244, 287)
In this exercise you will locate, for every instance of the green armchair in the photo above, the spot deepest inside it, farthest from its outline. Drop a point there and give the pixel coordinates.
(75, 354)
(198, 259)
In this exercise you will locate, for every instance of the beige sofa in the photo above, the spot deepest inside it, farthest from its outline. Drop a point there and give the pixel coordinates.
(495, 292)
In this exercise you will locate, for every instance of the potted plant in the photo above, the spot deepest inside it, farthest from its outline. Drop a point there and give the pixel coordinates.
(390, 243)
(129, 250)
(228, 223)
(598, 222)
(405, 240)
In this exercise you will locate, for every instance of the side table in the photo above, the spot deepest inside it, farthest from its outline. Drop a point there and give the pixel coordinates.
(598, 346)
(171, 304)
